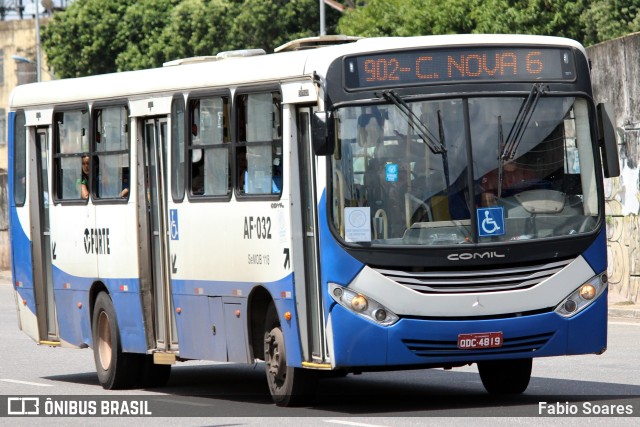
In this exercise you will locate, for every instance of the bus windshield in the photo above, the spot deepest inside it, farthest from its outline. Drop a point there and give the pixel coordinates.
(409, 173)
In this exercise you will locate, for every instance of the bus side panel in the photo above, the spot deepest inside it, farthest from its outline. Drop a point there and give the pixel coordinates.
(336, 265)
(21, 260)
(356, 341)
(587, 332)
(71, 294)
(73, 315)
(125, 294)
(20, 250)
(201, 331)
(212, 325)
(596, 254)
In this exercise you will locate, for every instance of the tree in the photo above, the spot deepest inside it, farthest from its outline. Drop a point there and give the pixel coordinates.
(138, 33)
(269, 24)
(82, 40)
(605, 19)
(101, 36)
(588, 21)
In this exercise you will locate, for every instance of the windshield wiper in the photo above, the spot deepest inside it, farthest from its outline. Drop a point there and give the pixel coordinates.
(522, 121)
(433, 142)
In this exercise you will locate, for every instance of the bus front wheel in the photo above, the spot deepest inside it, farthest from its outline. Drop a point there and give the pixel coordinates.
(505, 376)
(116, 370)
(288, 386)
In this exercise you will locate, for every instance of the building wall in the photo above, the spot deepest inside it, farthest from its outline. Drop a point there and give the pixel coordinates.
(616, 79)
(17, 37)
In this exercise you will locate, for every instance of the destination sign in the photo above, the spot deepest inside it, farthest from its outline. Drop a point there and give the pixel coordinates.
(459, 64)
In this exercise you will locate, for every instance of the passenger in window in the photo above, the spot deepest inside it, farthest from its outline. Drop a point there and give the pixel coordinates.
(84, 180)
(276, 184)
(197, 180)
(125, 182)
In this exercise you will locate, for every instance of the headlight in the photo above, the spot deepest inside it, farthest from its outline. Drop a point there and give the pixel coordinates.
(362, 305)
(582, 297)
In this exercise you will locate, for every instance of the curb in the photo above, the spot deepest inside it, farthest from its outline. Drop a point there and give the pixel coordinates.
(624, 313)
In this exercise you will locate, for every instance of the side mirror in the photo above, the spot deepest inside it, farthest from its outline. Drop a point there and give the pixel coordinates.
(607, 140)
(322, 135)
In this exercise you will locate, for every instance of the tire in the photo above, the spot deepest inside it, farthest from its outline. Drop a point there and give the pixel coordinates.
(116, 370)
(288, 386)
(505, 376)
(153, 375)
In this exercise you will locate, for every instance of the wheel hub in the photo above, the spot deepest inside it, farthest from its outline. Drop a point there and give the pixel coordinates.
(104, 341)
(275, 355)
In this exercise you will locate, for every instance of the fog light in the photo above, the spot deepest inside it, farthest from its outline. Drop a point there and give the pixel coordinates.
(380, 314)
(359, 303)
(570, 306)
(588, 291)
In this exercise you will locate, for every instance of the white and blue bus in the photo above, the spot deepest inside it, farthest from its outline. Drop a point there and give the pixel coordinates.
(338, 206)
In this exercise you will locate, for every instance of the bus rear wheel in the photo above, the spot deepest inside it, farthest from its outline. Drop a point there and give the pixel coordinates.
(116, 370)
(288, 386)
(505, 376)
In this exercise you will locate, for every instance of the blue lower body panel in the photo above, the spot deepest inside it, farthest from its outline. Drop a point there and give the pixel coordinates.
(416, 342)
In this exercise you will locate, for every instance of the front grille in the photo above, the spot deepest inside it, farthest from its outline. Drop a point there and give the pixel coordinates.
(501, 279)
(514, 345)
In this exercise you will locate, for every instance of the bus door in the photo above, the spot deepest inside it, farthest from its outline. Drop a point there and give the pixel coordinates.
(157, 254)
(306, 244)
(39, 200)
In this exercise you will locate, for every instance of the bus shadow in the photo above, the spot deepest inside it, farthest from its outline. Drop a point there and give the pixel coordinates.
(241, 390)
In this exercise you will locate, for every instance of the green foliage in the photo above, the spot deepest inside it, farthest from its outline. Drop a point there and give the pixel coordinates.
(83, 40)
(588, 21)
(100, 36)
(607, 19)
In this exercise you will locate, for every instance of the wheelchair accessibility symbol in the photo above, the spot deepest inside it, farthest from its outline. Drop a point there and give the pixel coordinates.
(490, 222)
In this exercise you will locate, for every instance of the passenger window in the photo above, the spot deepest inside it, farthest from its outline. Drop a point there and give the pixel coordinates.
(20, 159)
(209, 147)
(71, 146)
(111, 154)
(177, 149)
(259, 149)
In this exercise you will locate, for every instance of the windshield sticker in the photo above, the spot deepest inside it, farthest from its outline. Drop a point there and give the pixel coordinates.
(491, 222)
(357, 224)
(391, 172)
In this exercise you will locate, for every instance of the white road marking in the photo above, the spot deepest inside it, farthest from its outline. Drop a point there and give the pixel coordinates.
(181, 402)
(26, 382)
(351, 423)
(625, 323)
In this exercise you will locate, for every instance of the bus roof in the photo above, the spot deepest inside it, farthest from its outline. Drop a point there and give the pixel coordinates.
(229, 72)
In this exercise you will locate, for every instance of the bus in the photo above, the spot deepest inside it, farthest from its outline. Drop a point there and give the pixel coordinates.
(341, 205)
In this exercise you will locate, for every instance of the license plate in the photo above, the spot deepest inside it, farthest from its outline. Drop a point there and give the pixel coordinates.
(480, 340)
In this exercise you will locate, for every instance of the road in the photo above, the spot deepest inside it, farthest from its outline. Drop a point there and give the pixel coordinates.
(230, 394)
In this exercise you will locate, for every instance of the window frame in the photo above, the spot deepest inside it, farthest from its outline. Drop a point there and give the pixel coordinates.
(95, 155)
(20, 180)
(190, 146)
(242, 145)
(178, 173)
(58, 155)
